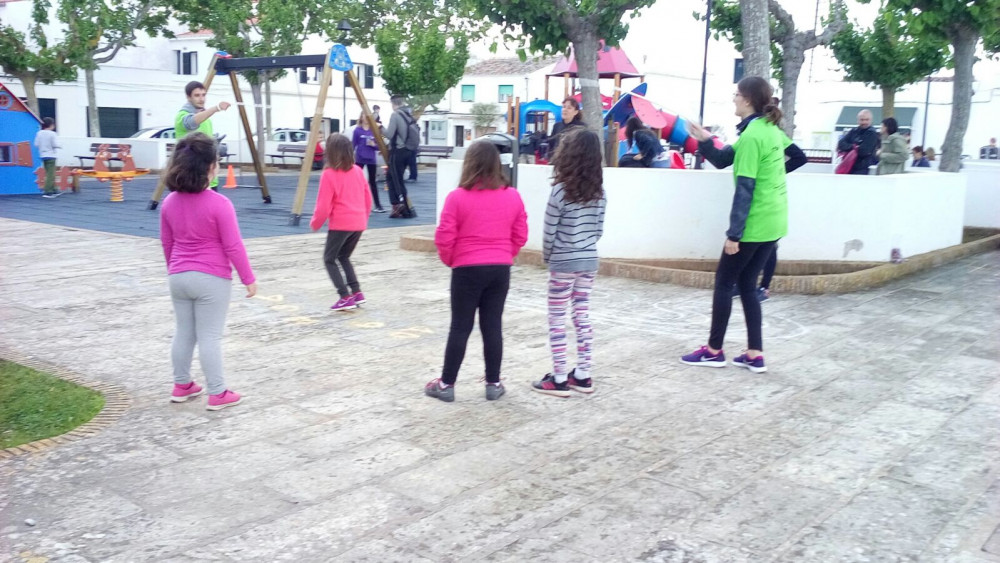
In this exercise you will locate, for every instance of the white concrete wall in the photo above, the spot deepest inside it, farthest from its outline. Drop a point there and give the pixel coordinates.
(685, 213)
(982, 203)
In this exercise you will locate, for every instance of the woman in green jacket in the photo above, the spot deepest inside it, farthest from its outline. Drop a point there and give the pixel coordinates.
(894, 151)
(757, 219)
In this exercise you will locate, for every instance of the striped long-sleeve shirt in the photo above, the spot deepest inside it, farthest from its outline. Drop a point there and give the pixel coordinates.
(571, 233)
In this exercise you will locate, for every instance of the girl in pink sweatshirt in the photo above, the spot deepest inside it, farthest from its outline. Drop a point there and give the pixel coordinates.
(483, 227)
(345, 201)
(202, 243)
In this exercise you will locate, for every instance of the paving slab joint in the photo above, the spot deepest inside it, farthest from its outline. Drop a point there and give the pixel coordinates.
(116, 403)
(847, 282)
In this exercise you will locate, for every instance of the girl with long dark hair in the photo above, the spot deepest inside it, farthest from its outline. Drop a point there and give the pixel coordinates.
(574, 222)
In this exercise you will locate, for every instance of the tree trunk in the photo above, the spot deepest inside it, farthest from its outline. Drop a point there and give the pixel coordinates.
(267, 110)
(756, 23)
(963, 41)
(888, 102)
(28, 80)
(793, 57)
(255, 89)
(92, 117)
(585, 50)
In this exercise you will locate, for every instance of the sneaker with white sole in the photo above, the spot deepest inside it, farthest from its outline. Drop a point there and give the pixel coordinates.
(580, 385)
(434, 389)
(755, 365)
(344, 304)
(703, 357)
(548, 386)
(494, 391)
(359, 298)
(225, 399)
(183, 393)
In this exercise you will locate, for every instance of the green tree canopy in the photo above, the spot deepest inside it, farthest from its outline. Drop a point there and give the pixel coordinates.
(100, 30)
(887, 56)
(32, 58)
(551, 26)
(421, 64)
(963, 24)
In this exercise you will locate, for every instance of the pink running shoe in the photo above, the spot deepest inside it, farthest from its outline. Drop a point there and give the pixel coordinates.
(225, 399)
(359, 298)
(344, 304)
(184, 393)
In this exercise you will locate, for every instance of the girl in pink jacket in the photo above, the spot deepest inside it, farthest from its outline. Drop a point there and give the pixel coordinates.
(483, 227)
(345, 201)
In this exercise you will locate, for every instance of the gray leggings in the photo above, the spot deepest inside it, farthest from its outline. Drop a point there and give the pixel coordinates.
(201, 302)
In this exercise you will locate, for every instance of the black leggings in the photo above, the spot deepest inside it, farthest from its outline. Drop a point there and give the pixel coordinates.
(339, 247)
(769, 266)
(371, 184)
(741, 269)
(483, 288)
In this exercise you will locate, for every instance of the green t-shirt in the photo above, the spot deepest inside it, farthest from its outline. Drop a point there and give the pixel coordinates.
(760, 154)
(204, 127)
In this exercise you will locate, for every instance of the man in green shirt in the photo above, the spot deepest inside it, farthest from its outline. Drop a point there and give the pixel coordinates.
(194, 116)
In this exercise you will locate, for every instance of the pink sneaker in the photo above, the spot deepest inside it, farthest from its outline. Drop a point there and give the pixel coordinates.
(187, 392)
(359, 298)
(225, 399)
(344, 304)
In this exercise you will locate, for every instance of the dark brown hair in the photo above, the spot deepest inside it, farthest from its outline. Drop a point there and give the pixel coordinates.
(577, 166)
(759, 93)
(193, 157)
(192, 86)
(632, 125)
(48, 123)
(339, 153)
(576, 106)
(481, 167)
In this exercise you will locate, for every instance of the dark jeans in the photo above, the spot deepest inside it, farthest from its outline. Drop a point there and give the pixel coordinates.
(483, 288)
(339, 247)
(411, 163)
(371, 184)
(397, 168)
(741, 269)
(769, 267)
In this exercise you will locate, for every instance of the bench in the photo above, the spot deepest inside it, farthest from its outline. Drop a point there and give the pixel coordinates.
(821, 156)
(289, 151)
(435, 151)
(112, 148)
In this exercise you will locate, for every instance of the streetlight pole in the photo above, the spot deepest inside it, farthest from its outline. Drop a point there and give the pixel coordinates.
(699, 159)
(344, 27)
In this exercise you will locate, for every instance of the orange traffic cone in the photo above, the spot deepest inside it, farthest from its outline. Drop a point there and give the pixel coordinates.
(230, 178)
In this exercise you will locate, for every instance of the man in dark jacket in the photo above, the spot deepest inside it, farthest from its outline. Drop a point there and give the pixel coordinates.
(863, 137)
(399, 156)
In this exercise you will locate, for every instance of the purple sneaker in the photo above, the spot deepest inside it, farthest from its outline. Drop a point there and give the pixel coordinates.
(359, 298)
(755, 365)
(344, 304)
(702, 357)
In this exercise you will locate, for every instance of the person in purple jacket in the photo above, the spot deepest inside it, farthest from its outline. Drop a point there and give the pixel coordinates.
(202, 244)
(364, 156)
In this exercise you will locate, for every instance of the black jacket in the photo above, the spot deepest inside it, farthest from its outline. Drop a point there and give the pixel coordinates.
(557, 130)
(867, 141)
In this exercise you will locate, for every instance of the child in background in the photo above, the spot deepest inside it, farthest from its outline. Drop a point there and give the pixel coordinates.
(47, 143)
(483, 227)
(202, 243)
(574, 222)
(345, 201)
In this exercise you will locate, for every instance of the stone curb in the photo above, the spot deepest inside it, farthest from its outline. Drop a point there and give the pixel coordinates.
(813, 284)
(116, 402)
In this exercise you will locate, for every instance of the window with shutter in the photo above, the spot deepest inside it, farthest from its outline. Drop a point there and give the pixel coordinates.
(24, 154)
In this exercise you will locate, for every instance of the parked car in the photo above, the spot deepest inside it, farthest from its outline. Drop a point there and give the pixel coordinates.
(290, 135)
(168, 133)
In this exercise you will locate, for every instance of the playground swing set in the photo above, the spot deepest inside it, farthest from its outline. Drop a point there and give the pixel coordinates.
(336, 59)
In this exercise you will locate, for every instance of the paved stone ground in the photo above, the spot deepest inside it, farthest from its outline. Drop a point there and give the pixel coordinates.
(91, 208)
(873, 437)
